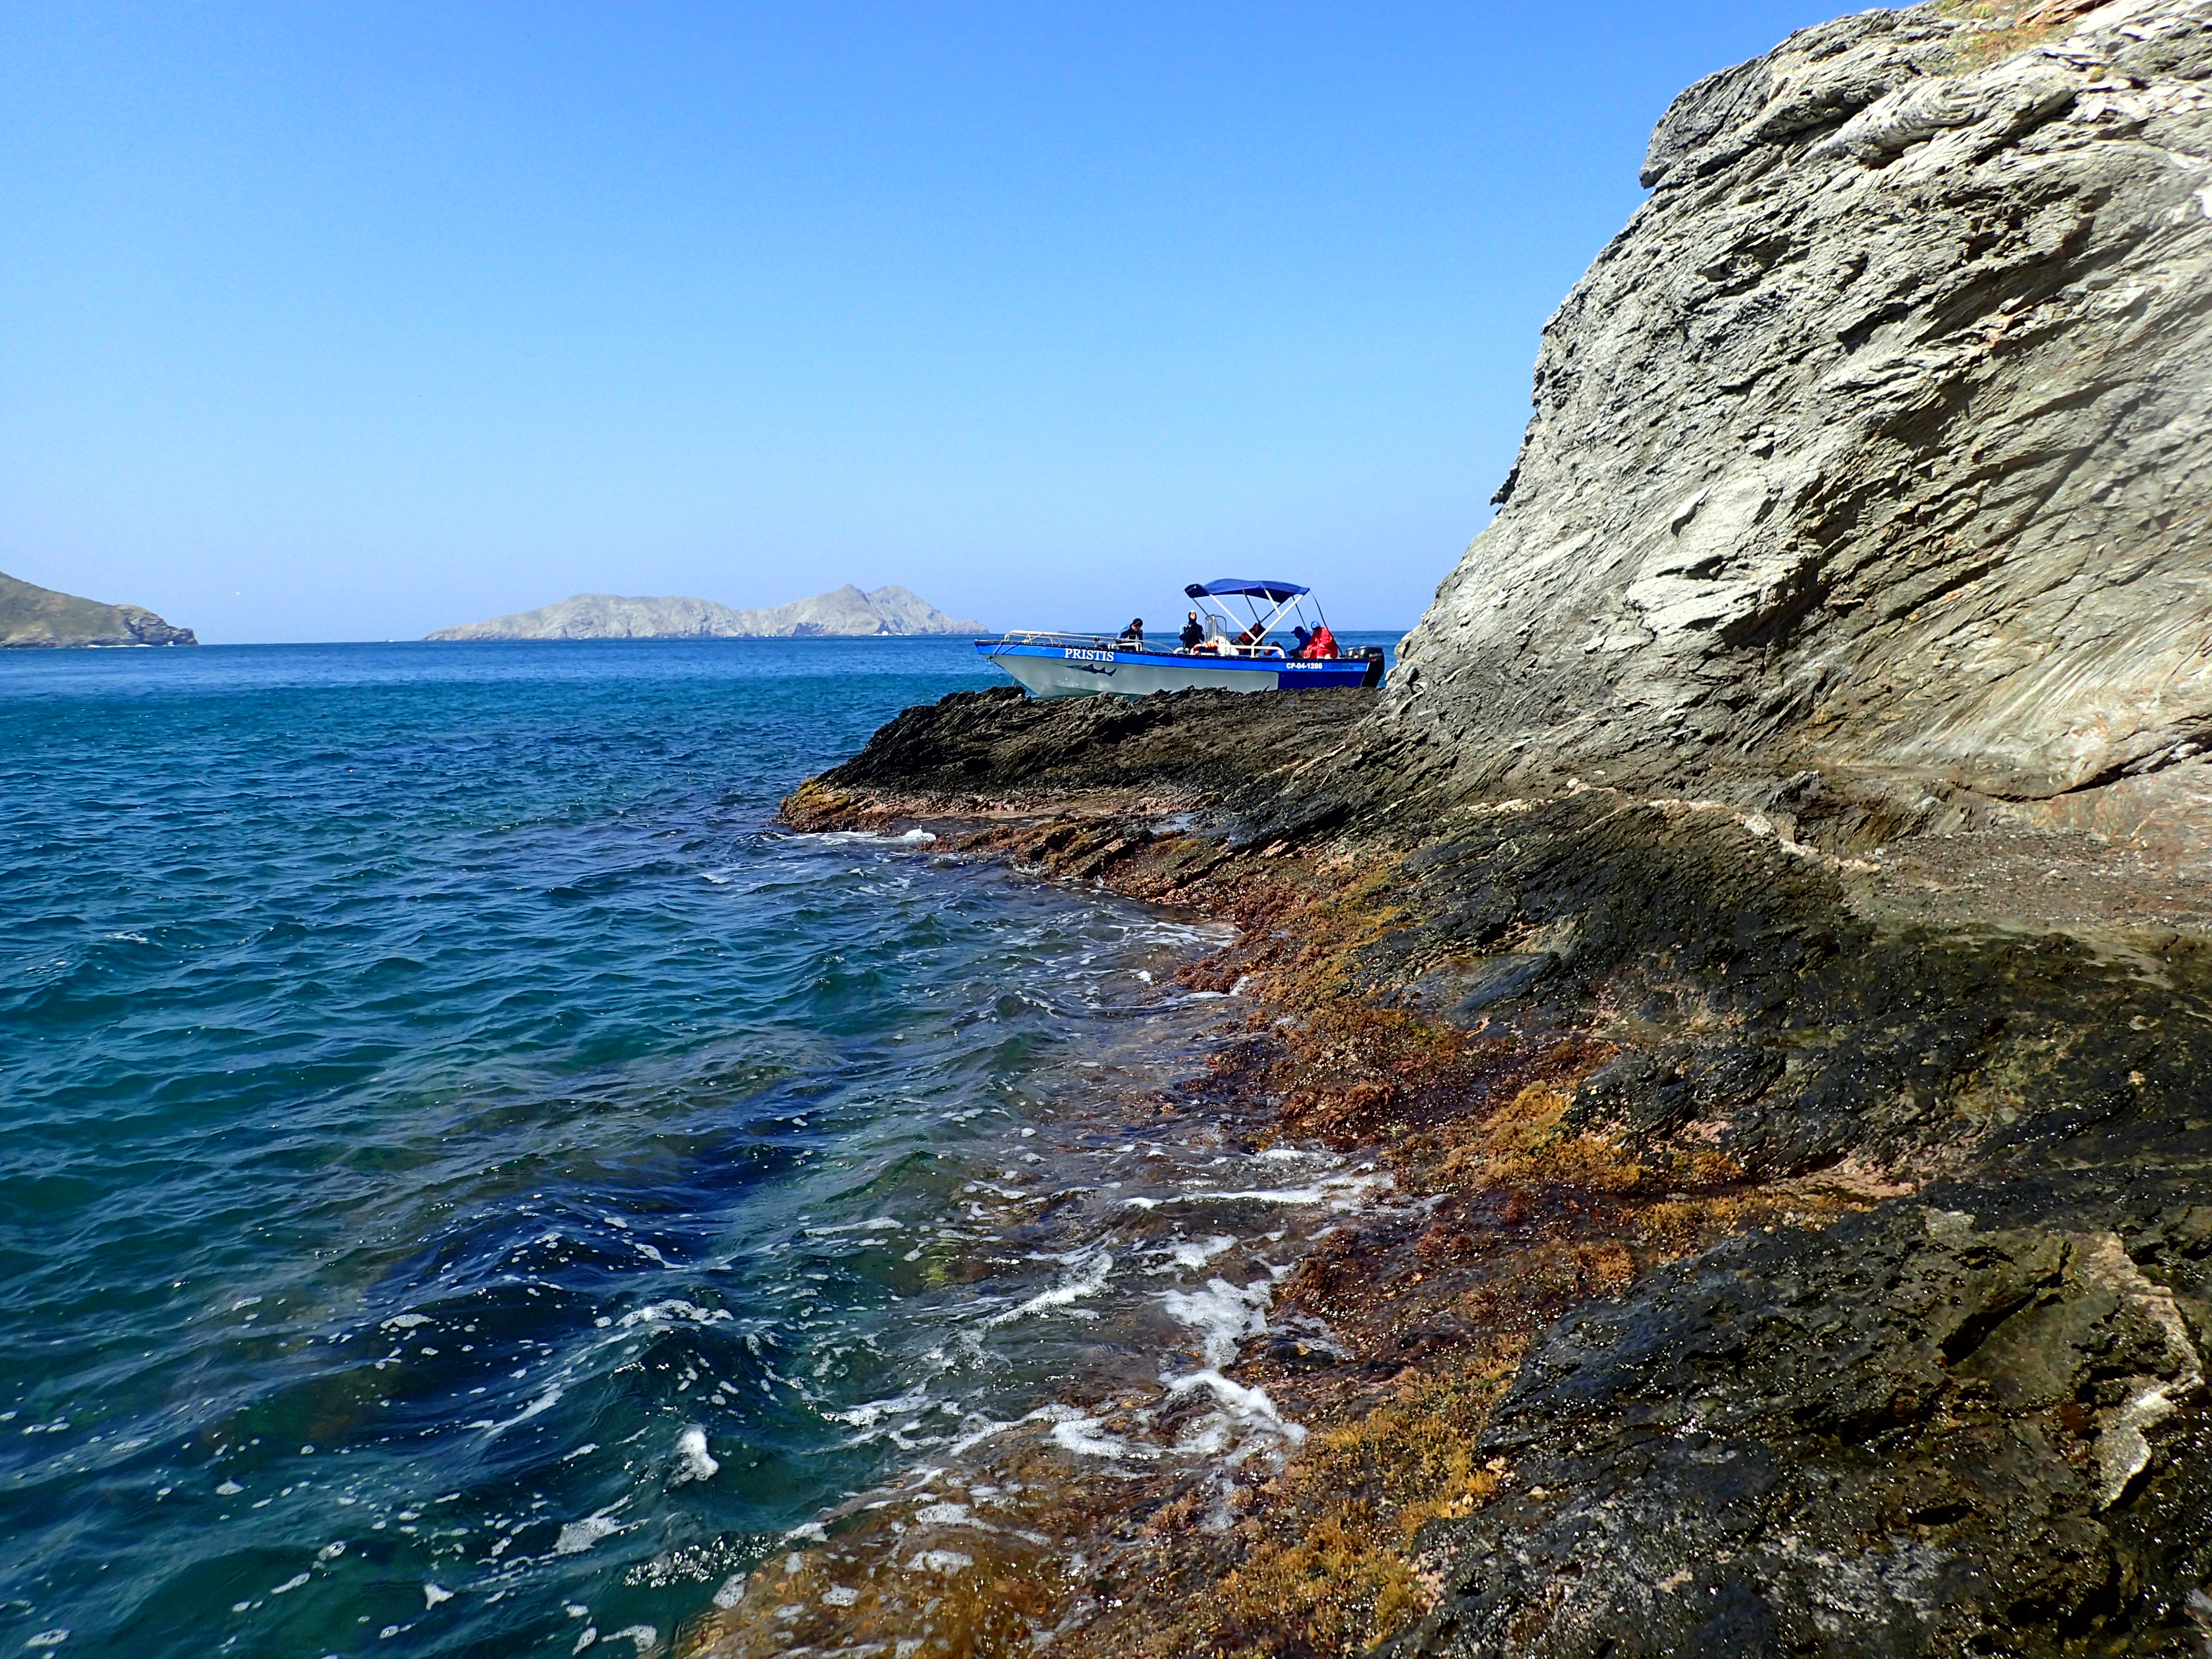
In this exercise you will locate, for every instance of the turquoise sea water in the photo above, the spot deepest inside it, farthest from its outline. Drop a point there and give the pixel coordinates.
(471, 1181)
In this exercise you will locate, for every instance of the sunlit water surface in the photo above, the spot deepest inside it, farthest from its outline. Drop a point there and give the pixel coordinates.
(472, 1183)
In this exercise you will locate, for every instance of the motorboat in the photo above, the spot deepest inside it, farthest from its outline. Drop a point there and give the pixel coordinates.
(1265, 650)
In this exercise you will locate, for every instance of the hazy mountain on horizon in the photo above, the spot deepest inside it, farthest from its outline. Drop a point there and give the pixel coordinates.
(34, 616)
(844, 612)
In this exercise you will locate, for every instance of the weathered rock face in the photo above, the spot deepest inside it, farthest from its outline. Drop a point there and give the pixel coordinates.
(845, 611)
(1879, 442)
(34, 616)
(1912, 1439)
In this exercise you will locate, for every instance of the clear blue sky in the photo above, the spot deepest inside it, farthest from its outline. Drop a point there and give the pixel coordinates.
(340, 321)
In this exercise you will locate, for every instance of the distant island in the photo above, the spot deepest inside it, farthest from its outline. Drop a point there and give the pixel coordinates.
(846, 611)
(34, 616)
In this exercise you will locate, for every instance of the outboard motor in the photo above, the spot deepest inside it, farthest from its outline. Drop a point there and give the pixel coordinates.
(1373, 655)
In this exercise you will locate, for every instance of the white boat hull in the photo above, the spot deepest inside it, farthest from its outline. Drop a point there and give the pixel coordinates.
(1048, 671)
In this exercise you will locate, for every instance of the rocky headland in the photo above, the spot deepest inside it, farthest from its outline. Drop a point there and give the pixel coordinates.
(843, 612)
(1762, 930)
(32, 616)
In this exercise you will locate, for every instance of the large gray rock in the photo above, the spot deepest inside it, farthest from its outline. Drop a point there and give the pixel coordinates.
(1876, 444)
(610, 616)
(34, 616)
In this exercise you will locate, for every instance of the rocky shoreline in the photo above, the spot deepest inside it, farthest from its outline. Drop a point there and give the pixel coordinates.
(1760, 932)
(1794, 1250)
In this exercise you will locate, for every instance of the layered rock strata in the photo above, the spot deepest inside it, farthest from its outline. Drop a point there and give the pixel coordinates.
(1878, 444)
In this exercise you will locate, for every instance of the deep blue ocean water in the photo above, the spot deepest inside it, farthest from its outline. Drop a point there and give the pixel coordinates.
(472, 1180)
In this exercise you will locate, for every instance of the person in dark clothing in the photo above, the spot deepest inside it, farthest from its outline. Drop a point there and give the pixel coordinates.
(1193, 632)
(1133, 634)
(1303, 639)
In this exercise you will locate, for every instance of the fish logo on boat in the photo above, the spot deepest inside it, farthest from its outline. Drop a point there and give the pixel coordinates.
(1276, 647)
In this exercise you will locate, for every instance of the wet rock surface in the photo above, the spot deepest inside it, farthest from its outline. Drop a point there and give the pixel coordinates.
(979, 751)
(1912, 1434)
(1942, 1393)
(1764, 930)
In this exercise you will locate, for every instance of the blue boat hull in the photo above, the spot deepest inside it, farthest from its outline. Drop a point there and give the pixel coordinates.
(1067, 670)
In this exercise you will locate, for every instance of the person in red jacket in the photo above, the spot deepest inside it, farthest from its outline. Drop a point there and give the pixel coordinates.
(1322, 645)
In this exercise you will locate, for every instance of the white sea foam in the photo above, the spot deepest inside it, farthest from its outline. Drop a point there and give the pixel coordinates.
(580, 1536)
(1195, 1253)
(1073, 1432)
(1096, 1271)
(1246, 1421)
(870, 838)
(693, 1461)
(1338, 1192)
(1222, 1314)
(867, 1415)
(674, 1309)
(544, 1401)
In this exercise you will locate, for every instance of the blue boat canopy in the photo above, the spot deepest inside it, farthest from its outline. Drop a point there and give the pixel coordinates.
(1260, 587)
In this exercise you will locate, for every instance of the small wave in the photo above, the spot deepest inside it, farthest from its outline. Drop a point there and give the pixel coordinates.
(544, 1402)
(694, 1462)
(1222, 1314)
(673, 1308)
(874, 1411)
(1245, 1423)
(1073, 1432)
(1096, 1273)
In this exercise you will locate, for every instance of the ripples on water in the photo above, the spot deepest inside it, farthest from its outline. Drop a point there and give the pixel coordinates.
(470, 1182)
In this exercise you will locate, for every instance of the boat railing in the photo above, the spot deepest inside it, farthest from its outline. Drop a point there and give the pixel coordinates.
(1041, 636)
(1111, 643)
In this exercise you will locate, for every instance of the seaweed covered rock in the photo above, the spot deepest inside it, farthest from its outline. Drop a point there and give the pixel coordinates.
(1183, 748)
(1920, 1436)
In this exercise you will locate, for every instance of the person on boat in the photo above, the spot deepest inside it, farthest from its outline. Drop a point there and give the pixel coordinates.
(1322, 645)
(1133, 634)
(1303, 639)
(1193, 632)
